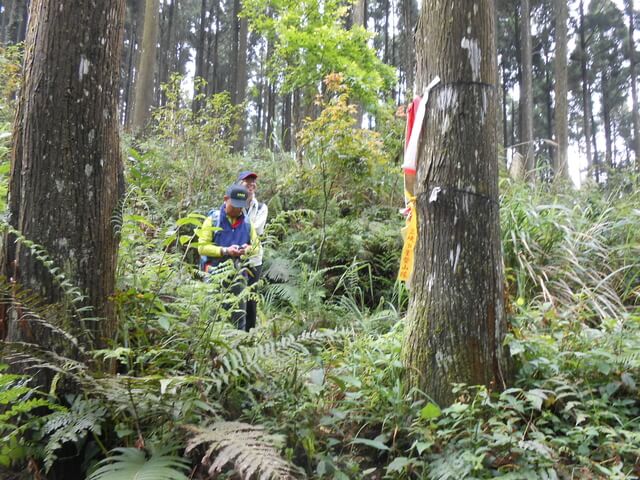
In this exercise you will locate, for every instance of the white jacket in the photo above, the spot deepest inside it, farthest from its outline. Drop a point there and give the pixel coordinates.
(257, 213)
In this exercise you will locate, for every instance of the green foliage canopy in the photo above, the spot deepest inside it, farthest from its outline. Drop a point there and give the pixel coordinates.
(310, 41)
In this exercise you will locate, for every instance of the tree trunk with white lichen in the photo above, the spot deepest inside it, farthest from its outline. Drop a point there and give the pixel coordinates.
(456, 321)
(66, 170)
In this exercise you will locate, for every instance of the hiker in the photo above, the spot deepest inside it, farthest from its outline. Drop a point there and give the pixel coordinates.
(256, 212)
(236, 240)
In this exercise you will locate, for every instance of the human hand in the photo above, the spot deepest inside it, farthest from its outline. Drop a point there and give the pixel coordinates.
(234, 251)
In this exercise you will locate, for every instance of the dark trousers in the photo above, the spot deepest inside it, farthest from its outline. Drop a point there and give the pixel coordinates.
(254, 276)
(239, 310)
(234, 285)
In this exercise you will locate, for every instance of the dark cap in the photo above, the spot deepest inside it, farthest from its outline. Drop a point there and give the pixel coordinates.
(246, 174)
(238, 195)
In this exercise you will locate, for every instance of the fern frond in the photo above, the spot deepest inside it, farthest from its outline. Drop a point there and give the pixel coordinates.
(282, 291)
(85, 416)
(280, 269)
(281, 224)
(34, 310)
(25, 406)
(39, 357)
(246, 362)
(250, 448)
(133, 464)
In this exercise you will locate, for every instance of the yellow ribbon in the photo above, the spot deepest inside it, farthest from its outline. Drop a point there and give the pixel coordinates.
(410, 235)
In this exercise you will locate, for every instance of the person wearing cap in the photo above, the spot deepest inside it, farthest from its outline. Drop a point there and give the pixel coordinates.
(257, 213)
(236, 239)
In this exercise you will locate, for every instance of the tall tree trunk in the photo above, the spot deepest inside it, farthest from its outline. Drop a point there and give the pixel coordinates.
(359, 13)
(128, 83)
(4, 10)
(235, 48)
(586, 91)
(385, 54)
(551, 151)
(22, 29)
(270, 115)
(135, 15)
(596, 156)
(241, 79)
(513, 122)
(456, 321)
(634, 86)
(408, 44)
(505, 119)
(260, 100)
(167, 49)
(206, 72)
(199, 73)
(66, 170)
(560, 168)
(296, 117)
(14, 21)
(286, 122)
(606, 120)
(270, 104)
(146, 68)
(526, 93)
(215, 84)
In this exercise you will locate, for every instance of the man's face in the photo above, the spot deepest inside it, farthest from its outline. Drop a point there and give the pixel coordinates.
(230, 209)
(250, 184)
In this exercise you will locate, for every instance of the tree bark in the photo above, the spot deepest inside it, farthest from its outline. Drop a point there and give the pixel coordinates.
(561, 118)
(596, 154)
(146, 67)
(526, 93)
(586, 93)
(166, 60)
(235, 46)
(270, 104)
(286, 122)
(270, 115)
(4, 7)
(408, 56)
(456, 321)
(505, 120)
(199, 73)
(606, 119)
(22, 29)
(214, 82)
(634, 86)
(14, 21)
(66, 170)
(386, 8)
(359, 18)
(359, 13)
(549, 86)
(134, 13)
(241, 78)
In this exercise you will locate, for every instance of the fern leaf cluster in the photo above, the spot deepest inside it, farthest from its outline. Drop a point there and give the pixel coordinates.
(134, 464)
(84, 417)
(250, 361)
(251, 449)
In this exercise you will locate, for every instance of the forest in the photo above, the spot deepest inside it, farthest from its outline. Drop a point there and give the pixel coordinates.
(447, 282)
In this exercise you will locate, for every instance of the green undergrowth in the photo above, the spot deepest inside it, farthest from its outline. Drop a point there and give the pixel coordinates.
(316, 390)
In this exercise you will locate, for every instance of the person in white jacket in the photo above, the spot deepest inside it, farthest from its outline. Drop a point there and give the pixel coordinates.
(256, 212)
